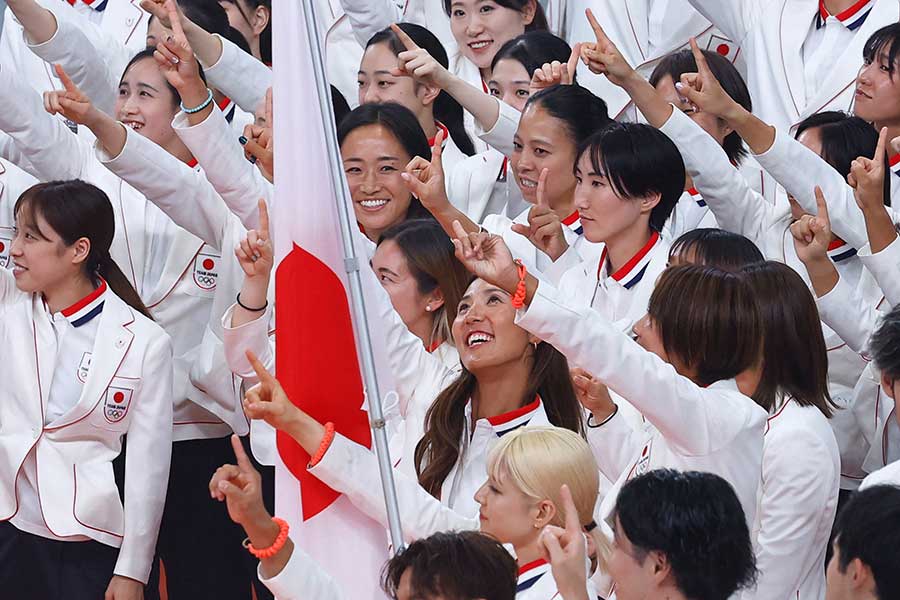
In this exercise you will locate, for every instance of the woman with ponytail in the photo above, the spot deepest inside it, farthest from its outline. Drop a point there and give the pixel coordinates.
(99, 369)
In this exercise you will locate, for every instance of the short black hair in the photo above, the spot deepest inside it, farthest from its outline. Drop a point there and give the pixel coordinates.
(638, 160)
(888, 37)
(868, 528)
(678, 63)
(533, 49)
(582, 112)
(884, 345)
(696, 520)
(717, 248)
(455, 566)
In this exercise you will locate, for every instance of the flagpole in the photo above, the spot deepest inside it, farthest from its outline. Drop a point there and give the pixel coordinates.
(352, 266)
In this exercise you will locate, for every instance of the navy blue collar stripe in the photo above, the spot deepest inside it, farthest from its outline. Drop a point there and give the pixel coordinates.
(524, 585)
(637, 278)
(86, 318)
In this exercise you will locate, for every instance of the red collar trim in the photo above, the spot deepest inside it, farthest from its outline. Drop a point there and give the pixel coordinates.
(224, 103)
(532, 565)
(443, 128)
(515, 414)
(484, 86)
(192, 163)
(849, 13)
(571, 218)
(894, 160)
(627, 267)
(434, 346)
(68, 312)
(693, 192)
(836, 243)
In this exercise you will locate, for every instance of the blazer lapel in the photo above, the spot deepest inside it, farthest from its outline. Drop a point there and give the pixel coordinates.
(846, 69)
(179, 259)
(110, 347)
(121, 19)
(796, 19)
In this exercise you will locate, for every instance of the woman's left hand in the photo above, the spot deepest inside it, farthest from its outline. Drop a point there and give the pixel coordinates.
(176, 60)
(70, 102)
(254, 253)
(566, 551)
(486, 256)
(124, 588)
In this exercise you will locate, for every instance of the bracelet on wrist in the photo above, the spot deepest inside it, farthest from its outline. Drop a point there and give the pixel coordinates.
(277, 545)
(518, 299)
(247, 308)
(207, 102)
(324, 445)
(604, 421)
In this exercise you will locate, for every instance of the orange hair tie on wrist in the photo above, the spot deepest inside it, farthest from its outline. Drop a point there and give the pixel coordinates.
(518, 299)
(276, 546)
(324, 445)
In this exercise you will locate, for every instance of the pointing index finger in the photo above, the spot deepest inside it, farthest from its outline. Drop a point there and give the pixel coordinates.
(572, 65)
(702, 66)
(175, 21)
(541, 186)
(261, 372)
(240, 454)
(882, 143)
(573, 523)
(821, 205)
(65, 79)
(598, 31)
(264, 232)
(404, 38)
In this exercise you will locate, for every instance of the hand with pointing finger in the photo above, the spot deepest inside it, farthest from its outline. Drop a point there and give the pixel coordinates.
(425, 179)
(566, 551)
(867, 178)
(177, 63)
(555, 73)
(812, 234)
(70, 102)
(486, 256)
(603, 57)
(417, 63)
(254, 252)
(704, 91)
(544, 228)
(240, 487)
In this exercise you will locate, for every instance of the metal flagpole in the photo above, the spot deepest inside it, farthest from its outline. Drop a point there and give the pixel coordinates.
(352, 266)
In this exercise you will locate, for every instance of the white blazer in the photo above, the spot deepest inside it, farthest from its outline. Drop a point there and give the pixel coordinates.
(715, 429)
(131, 355)
(771, 34)
(644, 31)
(797, 503)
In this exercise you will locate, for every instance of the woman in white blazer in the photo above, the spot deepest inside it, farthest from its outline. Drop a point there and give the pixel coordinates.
(99, 369)
(801, 467)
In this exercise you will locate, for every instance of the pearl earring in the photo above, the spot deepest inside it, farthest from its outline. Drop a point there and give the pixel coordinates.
(428, 308)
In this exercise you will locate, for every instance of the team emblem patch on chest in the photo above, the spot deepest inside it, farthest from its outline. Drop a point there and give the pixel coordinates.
(206, 269)
(643, 463)
(116, 402)
(6, 238)
(84, 367)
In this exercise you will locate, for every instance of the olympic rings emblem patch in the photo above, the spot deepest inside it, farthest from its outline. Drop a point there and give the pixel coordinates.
(206, 269)
(116, 402)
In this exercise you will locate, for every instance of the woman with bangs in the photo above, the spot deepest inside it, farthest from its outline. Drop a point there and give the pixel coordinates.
(683, 370)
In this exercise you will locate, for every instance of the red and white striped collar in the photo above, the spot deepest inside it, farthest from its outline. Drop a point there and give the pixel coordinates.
(697, 197)
(87, 308)
(228, 107)
(98, 5)
(632, 271)
(193, 164)
(573, 222)
(443, 128)
(529, 574)
(894, 162)
(506, 422)
(852, 17)
(434, 345)
(839, 250)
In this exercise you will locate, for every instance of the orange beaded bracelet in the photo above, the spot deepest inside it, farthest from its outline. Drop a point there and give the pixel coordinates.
(518, 299)
(323, 446)
(276, 546)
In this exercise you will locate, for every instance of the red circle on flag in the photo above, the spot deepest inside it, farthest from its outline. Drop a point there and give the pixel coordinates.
(2, 246)
(723, 49)
(118, 397)
(208, 264)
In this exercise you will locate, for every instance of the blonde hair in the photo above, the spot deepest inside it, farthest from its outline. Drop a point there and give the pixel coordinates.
(539, 460)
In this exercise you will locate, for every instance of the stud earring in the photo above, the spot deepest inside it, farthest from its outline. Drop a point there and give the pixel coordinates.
(428, 308)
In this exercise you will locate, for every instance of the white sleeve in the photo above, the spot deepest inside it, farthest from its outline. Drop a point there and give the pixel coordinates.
(45, 142)
(794, 493)
(178, 190)
(255, 336)
(300, 579)
(847, 312)
(352, 470)
(734, 18)
(238, 182)
(501, 135)
(736, 206)
(147, 461)
(694, 420)
(91, 57)
(239, 76)
(885, 268)
(614, 444)
(368, 17)
(799, 170)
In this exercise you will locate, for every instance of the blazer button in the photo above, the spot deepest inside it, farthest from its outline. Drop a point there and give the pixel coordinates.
(120, 342)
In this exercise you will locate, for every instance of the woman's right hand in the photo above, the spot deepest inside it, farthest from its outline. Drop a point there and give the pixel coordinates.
(425, 179)
(417, 63)
(240, 487)
(486, 256)
(812, 234)
(70, 102)
(592, 394)
(255, 253)
(705, 92)
(603, 57)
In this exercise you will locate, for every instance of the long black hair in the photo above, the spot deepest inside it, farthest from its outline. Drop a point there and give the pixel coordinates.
(446, 110)
(538, 23)
(75, 209)
(532, 49)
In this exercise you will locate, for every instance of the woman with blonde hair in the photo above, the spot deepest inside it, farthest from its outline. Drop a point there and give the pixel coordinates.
(521, 496)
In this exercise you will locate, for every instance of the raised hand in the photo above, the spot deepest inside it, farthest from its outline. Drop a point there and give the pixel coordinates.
(704, 91)
(240, 487)
(566, 551)
(603, 57)
(267, 400)
(254, 252)
(592, 394)
(425, 179)
(544, 228)
(812, 234)
(70, 102)
(556, 73)
(176, 58)
(867, 177)
(157, 8)
(486, 256)
(417, 63)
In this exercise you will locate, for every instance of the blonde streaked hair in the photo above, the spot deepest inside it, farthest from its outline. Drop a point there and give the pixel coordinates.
(539, 460)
